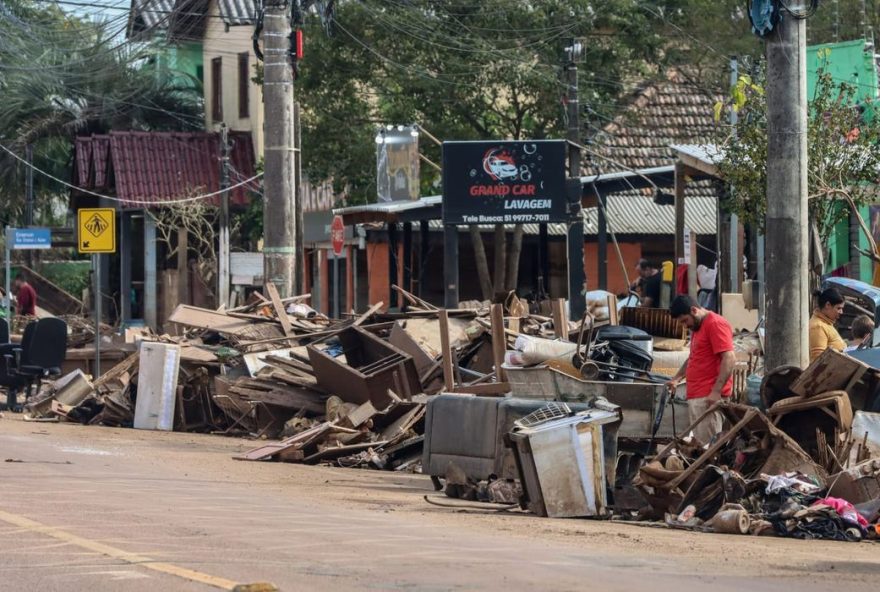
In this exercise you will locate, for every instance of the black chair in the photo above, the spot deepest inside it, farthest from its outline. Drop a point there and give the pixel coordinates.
(11, 355)
(45, 352)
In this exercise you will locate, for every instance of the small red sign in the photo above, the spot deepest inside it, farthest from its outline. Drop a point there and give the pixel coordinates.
(337, 235)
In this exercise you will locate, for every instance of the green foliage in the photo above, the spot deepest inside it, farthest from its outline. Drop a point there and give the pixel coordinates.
(843, 160)
(464, 71)
(71, 276)
(62, 76)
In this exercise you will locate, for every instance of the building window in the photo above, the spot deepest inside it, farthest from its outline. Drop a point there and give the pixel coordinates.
(217, 89)
(243, 86)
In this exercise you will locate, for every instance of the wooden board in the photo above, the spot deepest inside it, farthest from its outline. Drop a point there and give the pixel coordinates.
(446, 351)
(499, 342)
(202, 318)
(279, 308)
(257, 361)
(426, 333)
(831, 371)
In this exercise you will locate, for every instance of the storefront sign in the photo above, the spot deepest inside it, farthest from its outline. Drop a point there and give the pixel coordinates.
(504, 182)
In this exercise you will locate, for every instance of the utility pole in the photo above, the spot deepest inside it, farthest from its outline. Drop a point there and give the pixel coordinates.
(575, 243)
(735, 271)
(787, 225)
(223, 263)
(280, 260)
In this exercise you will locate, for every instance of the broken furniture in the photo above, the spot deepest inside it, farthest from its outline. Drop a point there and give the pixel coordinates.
(562, 461)
(39, 356)
(749, 446)
(642, 403)
(835, 371)
(470, 432)
(812, 422)
(46, 351)
(371, 368)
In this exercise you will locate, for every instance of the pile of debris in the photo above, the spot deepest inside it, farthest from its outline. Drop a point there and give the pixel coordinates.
(349, 391)
(808, 468)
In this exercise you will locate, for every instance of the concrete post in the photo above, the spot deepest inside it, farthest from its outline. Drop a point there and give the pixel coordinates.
(787, 295)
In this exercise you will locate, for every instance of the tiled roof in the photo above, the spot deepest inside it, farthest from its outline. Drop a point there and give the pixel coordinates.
(672, 111)
(156, 166)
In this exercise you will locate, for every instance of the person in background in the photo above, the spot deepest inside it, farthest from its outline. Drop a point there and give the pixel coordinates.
(648, 284)
(823, 335)
(709, 367)
(862, 330)
(25, 297)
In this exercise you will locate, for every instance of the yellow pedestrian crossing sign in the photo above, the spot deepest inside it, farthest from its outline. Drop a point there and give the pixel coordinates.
(97, 230)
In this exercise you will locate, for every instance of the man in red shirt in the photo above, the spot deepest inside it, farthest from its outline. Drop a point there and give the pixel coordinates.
(709, 367)
(25, 297)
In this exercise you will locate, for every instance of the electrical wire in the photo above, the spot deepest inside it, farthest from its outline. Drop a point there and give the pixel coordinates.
(129, 201)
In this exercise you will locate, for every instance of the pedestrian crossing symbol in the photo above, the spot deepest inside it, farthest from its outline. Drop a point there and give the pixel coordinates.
(97, 230)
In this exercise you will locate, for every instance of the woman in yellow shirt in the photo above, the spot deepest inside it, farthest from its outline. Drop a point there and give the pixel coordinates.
(822, 332)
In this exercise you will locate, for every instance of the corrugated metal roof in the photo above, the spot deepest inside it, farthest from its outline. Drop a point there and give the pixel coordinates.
(707, 153)
(238, 12)
(638, 214)
(156, 166)
(150, 15)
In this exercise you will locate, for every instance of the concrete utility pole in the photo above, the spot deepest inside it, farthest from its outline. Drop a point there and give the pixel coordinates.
(223, 256)
(787, 294)
(575, 243)
(280, 259)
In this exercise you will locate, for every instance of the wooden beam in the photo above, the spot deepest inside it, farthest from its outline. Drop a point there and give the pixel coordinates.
(499, 341)
(279, 308)
(560, 323)
(712, 450)
(446, 352)
(494, 389)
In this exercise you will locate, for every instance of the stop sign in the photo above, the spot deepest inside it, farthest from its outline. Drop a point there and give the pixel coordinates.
(337, 235)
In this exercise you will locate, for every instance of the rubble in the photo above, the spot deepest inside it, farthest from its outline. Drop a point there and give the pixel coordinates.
(469, 396)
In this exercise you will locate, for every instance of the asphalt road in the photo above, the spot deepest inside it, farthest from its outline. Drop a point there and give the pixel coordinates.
(99, 509)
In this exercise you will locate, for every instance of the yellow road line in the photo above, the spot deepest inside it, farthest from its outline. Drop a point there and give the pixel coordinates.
(132, 558)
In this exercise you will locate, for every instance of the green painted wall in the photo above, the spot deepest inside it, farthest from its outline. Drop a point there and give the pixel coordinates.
(848, 62)
(185, 58)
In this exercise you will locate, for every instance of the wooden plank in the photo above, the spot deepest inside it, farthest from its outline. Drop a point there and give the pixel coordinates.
(202, 318)
(256, 361)
(499, 342)
(293, 443)
(612, 310)
(560, 323)
(497, 389)
(448, 375)
(713, 450)
(362, 414)
(279, 308)
(370, 312)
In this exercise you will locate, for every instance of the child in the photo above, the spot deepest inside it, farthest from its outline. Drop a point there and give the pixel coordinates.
(862, 330)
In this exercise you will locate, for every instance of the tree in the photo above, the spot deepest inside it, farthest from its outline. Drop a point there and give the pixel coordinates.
(62, 76)
(465, 71)
(843, 167)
